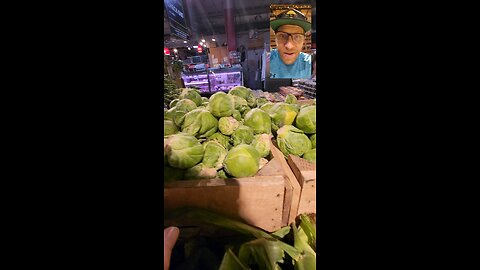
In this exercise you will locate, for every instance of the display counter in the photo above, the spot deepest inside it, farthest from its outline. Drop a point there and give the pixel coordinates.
(309, 86)
(225, 79)
(198, 79)
(214, 79)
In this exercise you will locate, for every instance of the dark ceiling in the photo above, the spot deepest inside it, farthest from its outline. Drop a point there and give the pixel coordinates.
(207, 17)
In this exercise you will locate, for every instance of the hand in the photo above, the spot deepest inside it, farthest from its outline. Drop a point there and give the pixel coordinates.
(170, 236)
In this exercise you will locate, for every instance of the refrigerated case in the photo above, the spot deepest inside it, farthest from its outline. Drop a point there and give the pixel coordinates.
(225, 79)
(198, 79)
(214, 80)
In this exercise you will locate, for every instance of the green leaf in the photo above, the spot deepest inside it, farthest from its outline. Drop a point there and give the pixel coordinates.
(309, 228)
(266, 253)
(232, 262)
(308, 258)
(281, 232)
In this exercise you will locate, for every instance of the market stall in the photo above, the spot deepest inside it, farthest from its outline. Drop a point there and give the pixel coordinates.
(239, 147)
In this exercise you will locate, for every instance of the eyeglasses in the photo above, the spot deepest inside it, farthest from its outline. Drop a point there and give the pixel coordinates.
(282, 37)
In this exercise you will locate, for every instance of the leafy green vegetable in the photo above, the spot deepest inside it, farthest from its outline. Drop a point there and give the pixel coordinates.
(243, 134)
(237, 115)
(313, 139)
(173, 103)
(267, 106)
(282, 114)
(222, 139)
(169, 128)
(242, 161)
(307, 119)
(200, 123)
(192, 94)
(311, 155)
(183, 151)
(232, 262)
(221, 104)
(261, 101)
(291, 140)
(266, 253)
(291, 99)
(227, 125)
(214, 154)
(261, 142)
(308, 258)
(200, 171)
(259, 121)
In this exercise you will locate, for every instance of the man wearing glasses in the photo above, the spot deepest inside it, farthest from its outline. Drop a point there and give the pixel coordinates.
(288, 60)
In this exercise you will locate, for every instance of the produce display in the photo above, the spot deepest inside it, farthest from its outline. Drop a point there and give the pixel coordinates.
(281, 95)
(228, 135)
(291, 247)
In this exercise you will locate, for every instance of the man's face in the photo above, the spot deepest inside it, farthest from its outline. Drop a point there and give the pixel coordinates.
(289, 50)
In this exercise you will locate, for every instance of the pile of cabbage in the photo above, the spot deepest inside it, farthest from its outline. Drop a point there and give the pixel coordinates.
(228, 135)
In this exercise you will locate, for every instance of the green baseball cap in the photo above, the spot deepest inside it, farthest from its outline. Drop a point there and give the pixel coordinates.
(290, 16)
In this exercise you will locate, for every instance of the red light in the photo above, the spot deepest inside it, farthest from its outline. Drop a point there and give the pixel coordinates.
(199, 49)
(166, 51)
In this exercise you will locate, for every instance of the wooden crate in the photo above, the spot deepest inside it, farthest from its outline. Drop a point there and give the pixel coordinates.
(306, 175)
(264, 201)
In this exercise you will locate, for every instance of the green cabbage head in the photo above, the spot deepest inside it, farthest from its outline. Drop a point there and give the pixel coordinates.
(183, 106)
(240, 103)
(169, 128)
(244, 113)
(173, 103)
(292, 140)
(168, 114)
(192, 94)
(200, 123)
(221, 174)
(267, 106)
(291, 99)
(227, 125)
(282, 114)
(261, 142)
(245, 93)
(313, 139)
(221, 104)
(200, 171)
(222, 139)
(242, 135)
(259, 121)
(242, 161)
(214, 154)
(183, 151)
(307, 119)
(261, 101)
(237, 115)
(311, 155)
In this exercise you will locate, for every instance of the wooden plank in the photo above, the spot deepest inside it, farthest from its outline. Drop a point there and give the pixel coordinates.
(291, 183)
(308, 195)
(264, 200)
(274, 167)
(305, 172)
(255, 200)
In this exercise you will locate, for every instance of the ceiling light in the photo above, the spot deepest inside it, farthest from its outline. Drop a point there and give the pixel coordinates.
(175, 50)
(213, 39)
(203, 40)
(184, 41)
(195, 46)
(189, 48)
